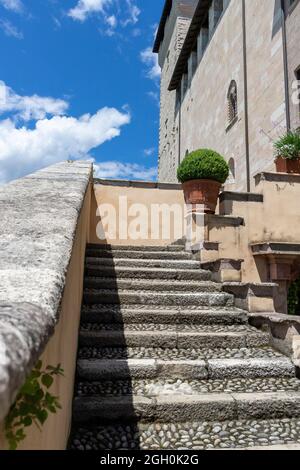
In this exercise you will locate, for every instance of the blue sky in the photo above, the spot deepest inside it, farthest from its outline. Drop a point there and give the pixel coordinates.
(78, 80)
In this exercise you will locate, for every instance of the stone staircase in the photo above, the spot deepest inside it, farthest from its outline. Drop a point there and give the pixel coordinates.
(166, 361)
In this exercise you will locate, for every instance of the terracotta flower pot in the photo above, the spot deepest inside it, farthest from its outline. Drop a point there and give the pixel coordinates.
(286, 165)
(202, 192)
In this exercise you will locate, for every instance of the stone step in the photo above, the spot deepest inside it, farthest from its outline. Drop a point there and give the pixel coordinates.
(139, 314)
(143, 255)
(182, 408)
(155, 387)
(199, 369)
(157, 285)
(112, 248)
(218, 299)
(193, 435)
(173, 337)
(142, 263)
(171, 354)
(148, 273)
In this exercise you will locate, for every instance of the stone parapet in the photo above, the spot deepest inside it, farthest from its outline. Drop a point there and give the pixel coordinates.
(39, 219)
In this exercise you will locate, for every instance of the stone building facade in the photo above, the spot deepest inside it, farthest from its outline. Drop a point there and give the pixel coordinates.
(229, 83)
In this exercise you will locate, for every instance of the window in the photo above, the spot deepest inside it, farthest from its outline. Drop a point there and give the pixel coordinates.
(232, 102)
(231, 165)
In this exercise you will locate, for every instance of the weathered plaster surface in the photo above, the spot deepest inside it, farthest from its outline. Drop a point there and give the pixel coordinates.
(39, 216)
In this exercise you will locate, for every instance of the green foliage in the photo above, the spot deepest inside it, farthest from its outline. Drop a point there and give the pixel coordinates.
(33, 404)
(288, 146)
(203, 164)
(293, 297)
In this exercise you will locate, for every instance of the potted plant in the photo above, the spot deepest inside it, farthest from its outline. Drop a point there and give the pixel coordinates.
(202, 174)
(287, 150)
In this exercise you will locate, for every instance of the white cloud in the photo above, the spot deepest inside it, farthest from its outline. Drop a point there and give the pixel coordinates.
(111, 21)
(13, 5)
(133, 13)
(29, 107)
(25, 149)
(10, 30)
(149, 152)
(119, 170)
(110, 10)
(85, 8)
(151, 60)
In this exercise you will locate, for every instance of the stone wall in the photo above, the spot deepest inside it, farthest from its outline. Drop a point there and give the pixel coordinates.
(293, 41)
(204, 110)
(118, 206)
(175, 33)
(44, 230)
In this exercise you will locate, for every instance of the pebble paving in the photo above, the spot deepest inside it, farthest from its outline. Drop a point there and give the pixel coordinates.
(166, 327)
(197, 436)
(90, 352)
(185, 387)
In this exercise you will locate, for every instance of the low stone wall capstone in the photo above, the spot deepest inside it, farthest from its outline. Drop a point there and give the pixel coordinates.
(43, 233)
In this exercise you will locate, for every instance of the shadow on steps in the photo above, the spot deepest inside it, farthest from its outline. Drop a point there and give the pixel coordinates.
(96, 424)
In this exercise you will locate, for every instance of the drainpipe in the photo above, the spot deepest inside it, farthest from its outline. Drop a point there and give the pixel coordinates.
(285, 67)
(245, 65)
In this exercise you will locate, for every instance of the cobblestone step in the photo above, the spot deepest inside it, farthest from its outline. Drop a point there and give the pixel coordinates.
(121, 272)
(148, 285)
(183, 299)
(140, 314)
(251, 367)
(182, 408)
(143, 248)
(173, 354)
(155, 387)
(142, 263)
(169, 328)
(192, 435)
(173, 338)
(143, 255)
(160, 341)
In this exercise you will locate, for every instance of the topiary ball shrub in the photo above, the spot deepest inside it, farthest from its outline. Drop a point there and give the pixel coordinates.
(203, 164)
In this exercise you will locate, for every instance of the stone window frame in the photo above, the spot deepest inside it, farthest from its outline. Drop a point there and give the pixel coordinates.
(232, 104)
(232, 171)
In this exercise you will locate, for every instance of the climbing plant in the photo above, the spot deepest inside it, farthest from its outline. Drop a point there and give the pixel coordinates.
(33, 404)
(293, 297)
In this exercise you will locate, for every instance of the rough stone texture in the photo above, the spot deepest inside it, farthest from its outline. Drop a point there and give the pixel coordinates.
(272, 434)
(39, 215)
(116, 314)
(281, 367)
(154, 273)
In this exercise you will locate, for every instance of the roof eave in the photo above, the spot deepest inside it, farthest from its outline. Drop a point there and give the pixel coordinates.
(161, 28)
(191, 37)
